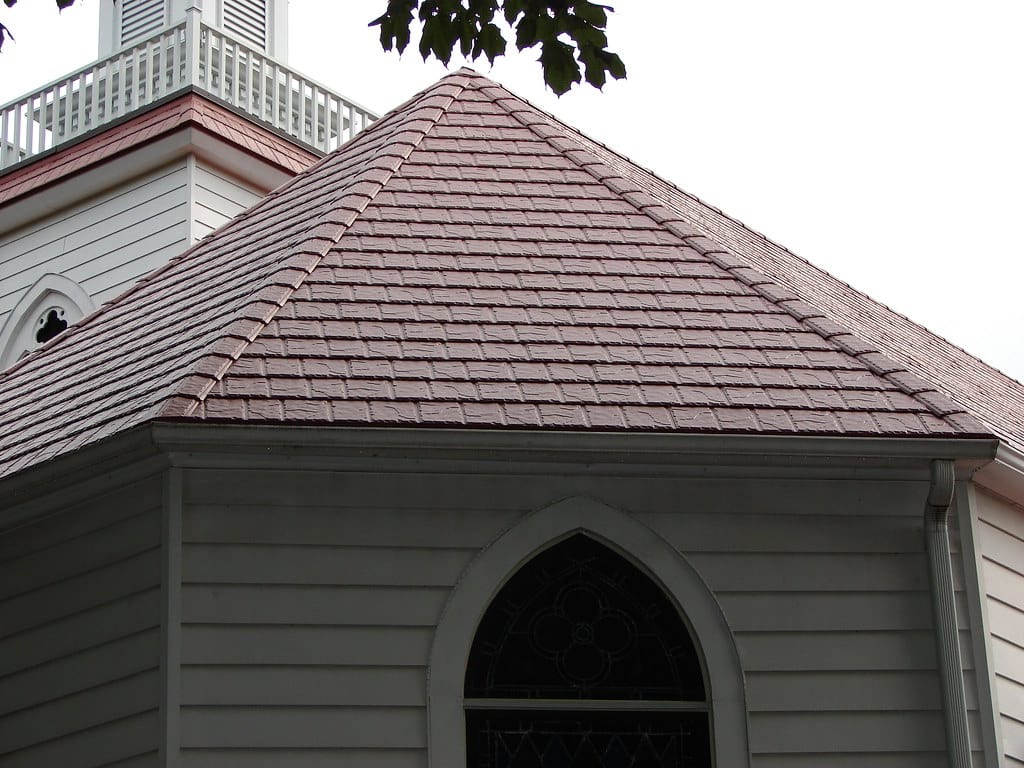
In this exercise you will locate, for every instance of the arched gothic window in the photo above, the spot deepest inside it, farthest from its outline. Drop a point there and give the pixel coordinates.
(582, 661)
(43, 313)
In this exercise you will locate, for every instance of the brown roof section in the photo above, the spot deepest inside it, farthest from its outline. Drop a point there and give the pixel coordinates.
(188, 110)
(467, 261)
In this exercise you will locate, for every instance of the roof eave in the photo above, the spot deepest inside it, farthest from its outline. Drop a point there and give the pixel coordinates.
(325, 446)
(153, 447)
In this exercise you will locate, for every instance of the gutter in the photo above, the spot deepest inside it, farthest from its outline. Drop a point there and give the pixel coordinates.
(947, 636)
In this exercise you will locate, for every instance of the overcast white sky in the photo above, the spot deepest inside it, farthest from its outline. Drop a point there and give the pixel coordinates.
(880, 139)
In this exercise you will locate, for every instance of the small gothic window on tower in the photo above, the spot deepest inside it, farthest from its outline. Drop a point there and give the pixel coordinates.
(50, 324)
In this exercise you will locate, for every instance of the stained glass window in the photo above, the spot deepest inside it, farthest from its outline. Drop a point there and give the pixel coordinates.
(582, 660)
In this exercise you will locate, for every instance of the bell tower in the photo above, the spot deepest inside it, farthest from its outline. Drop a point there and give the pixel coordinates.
(262, 24)
(190, 115)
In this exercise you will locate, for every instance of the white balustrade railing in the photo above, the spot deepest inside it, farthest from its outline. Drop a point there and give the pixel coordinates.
(187, 56)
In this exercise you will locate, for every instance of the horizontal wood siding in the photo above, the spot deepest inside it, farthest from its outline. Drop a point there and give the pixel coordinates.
(1001, 539)
(80, 615)
(104, 244)
(217, 198)
(309, 601)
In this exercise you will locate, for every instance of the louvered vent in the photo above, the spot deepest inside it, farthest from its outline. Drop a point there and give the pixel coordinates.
(247, 20)
(140, 19)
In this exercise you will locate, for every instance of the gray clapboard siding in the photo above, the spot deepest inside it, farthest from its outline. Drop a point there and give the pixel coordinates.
(907, 731)
(135, 573)
(1001, 540)
(309, 595)
(87, 669)
(306, 758)
(355, 566)
(312, 605)
(66, 559)
(80, 519)
(80, 634)
(882, 651)
(294, 727)
(297, 685)
(788, 533)
(825, 611)
(105, 243)
(339, 526)
(100, 704)
(847, 690)
(128, 740)
(810, 571)
(92, 628)
(218, 198)
(919, 759)
(210, 644)
(443, 492)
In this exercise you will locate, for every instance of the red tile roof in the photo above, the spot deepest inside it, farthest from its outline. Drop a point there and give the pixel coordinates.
(471, 261)
(189, 110)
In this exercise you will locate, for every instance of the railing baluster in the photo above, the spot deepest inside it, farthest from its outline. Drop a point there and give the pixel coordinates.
(41, 121)
(17, 132)
(94, 102)
(137, 94)
(154, 70)
(236, 73)
(81, 102)
(261, 92)
(289, 97)
(188, 54)
(223, 73)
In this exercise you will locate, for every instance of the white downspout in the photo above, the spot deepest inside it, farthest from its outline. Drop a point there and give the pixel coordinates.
(947, 636)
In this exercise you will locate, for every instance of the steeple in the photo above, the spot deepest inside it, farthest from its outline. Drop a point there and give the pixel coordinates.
(190, 115)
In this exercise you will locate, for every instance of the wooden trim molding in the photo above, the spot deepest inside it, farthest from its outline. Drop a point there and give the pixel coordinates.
(446, 735)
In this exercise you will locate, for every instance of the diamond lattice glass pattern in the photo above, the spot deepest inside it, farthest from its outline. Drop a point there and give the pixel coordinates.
(508, 739)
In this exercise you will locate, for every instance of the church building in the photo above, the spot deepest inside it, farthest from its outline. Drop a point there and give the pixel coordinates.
(451, 438)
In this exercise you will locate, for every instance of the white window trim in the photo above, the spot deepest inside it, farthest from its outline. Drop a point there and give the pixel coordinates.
(446, 727)
(48, 289)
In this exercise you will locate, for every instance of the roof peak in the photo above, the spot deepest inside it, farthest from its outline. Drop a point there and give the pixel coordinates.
(469, 260)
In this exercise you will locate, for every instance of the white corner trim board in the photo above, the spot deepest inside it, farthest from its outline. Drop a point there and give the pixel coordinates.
(484, 577)
(50, 292)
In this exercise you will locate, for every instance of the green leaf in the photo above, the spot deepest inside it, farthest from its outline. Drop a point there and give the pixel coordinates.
(591, 13)
(560, 68)
(616, 68)
(526, 33)
(492, 42)
(513, 9)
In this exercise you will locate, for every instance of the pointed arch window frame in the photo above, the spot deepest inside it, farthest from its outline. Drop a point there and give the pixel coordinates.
(491, 569)
(65, 292)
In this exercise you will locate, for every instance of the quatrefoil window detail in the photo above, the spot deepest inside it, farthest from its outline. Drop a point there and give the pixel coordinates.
(579, 621)
(582, 660)
(583, 634)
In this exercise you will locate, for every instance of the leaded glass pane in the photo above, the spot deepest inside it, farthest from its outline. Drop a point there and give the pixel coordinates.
(510, 739)
(580, 622)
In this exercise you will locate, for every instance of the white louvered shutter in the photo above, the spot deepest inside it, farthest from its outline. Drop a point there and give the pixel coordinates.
(247, 21)
(140, 19)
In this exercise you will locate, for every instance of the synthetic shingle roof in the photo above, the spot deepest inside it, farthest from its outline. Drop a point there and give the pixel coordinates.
(471, 261)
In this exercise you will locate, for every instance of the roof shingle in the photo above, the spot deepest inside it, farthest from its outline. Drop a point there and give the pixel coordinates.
(469, 261)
